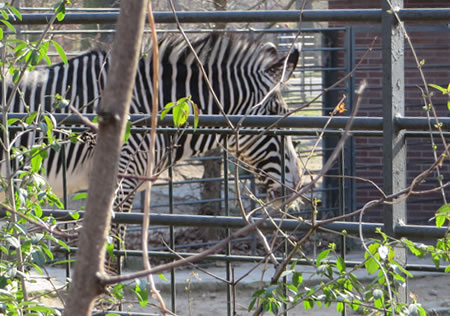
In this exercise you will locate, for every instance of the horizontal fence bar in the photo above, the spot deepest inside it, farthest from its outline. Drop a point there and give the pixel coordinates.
(242, 258)
(369, 229)
(344, 15)
(262, 121)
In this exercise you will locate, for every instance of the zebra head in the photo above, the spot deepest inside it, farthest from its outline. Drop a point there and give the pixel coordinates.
(245, 76)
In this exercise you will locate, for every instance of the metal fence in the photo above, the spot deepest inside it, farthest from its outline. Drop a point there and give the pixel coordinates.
(393, 127)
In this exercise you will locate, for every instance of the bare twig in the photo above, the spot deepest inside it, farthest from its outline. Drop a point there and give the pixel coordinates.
(274, 124)
(91, 125)
(151, 154)
(106, 280)
(40, 225)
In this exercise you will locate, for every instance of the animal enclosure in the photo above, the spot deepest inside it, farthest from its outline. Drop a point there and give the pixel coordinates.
(379, 137)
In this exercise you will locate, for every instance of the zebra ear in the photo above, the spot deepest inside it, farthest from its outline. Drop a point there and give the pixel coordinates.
(276, 69)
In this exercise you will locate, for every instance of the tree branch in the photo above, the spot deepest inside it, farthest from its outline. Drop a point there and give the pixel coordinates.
(103, 179)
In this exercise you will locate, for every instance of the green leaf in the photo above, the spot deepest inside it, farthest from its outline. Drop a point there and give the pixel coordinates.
(340, 307)
(340, 264)
(110, 249)
(75, 215)
(308, 304)
(30, 119)
(322, 256)
(9, 25)
(53, 199)
(60, 10)
(443, 90)
(60, 51)
(180, 114)
(440, 220)
(447, 269)
(38, 257)
(378, 303)
(127, 132)
(196, 115)
(252, 303)
(441, 214)
(36, 163)
(169, 105)
(162, 277)
(37, 210)
(11, 121)
(448, 105)
(41, 309)
(142, 291)
(297, 279)
(412, 247)
(371, 266)
(16, 12)
(270, 289)
(164, 113)
(80, 196)
(402, 269)
(444, 209)
(3, 282)
(63, 261)
(50, 127)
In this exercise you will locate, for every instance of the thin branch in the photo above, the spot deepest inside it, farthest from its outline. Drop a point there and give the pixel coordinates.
(151, 153)
(88, 123)
(40, 225)
(244, 231)
(274, 124)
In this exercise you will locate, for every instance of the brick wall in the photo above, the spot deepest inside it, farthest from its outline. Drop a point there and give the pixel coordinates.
(431, 47)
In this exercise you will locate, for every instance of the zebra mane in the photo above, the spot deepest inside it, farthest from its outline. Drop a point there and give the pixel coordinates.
(219, 49)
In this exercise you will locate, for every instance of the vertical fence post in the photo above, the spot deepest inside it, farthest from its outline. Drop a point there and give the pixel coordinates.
(226, 205)
(173, 283)
(330, 99)
(350, 147)
(394, 158)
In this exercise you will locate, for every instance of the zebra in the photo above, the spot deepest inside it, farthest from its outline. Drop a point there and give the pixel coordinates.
(243, 72)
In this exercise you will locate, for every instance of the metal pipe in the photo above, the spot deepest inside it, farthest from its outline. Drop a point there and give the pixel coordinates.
(369, 229)
(262, 121)
(214, 17)
(355, 15)
(242, 258)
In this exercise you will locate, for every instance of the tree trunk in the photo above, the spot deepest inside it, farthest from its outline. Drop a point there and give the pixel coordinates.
(103, 179)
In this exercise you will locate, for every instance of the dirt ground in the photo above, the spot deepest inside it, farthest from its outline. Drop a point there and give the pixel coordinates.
(433, 293)
(202, 296)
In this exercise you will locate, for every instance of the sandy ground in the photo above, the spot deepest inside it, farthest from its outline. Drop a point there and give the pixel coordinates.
(200, 294)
